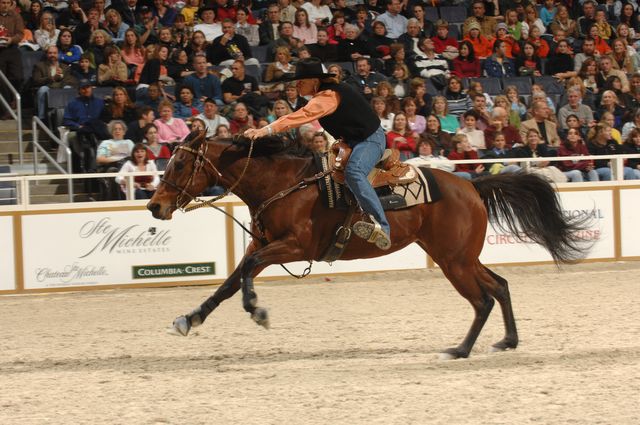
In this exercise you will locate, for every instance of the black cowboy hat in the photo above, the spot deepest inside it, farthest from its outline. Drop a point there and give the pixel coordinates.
(307, 68)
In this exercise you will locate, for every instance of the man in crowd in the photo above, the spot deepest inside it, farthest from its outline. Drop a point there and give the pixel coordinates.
(239, 84)
(365, 80)
(285, 39)
(588, 18)
(487, 23)
(82, 33)
(230, 46)
(395, 23)
(209, 26)
(588, 51)
(479, 103)
(211, 117)
(204, 84)
(268, 29)
(575, 107)
(135, 129)
(50, 74)
(542, 124)
(428, 64)
(607, 70)
(80, 116)
(147, 27)
(128, 11)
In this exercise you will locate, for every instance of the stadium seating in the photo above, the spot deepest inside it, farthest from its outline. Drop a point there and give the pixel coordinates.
(8, 193)
(523, 84)
(456, 14)
(431, 14)
(491, 85)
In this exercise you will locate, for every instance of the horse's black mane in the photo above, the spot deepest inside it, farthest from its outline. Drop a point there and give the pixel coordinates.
(270, 146)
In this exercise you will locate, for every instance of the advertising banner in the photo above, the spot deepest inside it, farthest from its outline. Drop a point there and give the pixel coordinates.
(630, 236)
(7, 259)
(411, 257)
(597, 205)
(122, 247)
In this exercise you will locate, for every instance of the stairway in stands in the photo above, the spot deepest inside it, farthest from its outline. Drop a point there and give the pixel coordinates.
(45, 191)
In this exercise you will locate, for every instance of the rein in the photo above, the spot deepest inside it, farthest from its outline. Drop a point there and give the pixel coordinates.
(199, 163)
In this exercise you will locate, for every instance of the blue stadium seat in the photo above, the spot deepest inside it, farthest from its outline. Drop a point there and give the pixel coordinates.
(260, 53)
(431, 14)
(523, 84)
(549, 84)
(453, 13)
(347, 67)
(491, 85)
(454, 31)
(29, 60)
(254, 71)
(431, 89)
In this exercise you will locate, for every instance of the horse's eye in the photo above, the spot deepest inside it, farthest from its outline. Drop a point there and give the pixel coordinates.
(179, 165)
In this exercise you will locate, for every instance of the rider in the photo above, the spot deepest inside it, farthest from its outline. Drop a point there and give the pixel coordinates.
(345, 114)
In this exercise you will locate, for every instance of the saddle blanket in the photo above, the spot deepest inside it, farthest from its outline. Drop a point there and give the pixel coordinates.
(423, 190)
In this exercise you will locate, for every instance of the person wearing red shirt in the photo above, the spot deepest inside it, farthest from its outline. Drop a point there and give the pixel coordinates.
(462, 150)
(466, 65)
(401, 137)
(442, 43)
(225, 10)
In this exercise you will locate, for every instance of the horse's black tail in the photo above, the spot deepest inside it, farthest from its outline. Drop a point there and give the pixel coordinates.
(526, 205)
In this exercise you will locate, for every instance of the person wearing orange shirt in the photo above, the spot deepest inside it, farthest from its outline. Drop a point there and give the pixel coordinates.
(482, 45)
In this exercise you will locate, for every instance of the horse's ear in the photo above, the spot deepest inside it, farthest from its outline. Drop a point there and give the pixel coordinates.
(195, 139)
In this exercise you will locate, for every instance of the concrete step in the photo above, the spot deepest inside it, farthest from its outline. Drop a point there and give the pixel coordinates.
(59, 199)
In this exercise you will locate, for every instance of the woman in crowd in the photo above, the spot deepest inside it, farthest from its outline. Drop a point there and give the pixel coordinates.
(632, 146)
(303, 29)
(98, 43)
(457, 99)
(113, 151)
(113, 72)
(629, 17)
(466, 65)
(47, 33)
(144, 186)
(165, 14)
(439, 139)
(418, 91)
(428, 155)
(576, 170)
(245, 28)
(518, 29)
(631, 125)
(114, 26)
(132, 52)
(470, 129)
(498, 65)
(223, 132)
(155, 69)
(417, 123)
(335, 31)
(401, 137)
(385, 91)
(614, 83)
(399, 80)
(282, 65)
(528, 63)
(170, 130)
(179, 66)
(533, 20)
(165, 38)
(620, 58)
(461, 150)
(448, 122)
(534, 147)
(609, 103)
(502, 102)
(599, 143)
(280, 109)
(353, 46)
(197, 45)
(119, 107)
(381, 109)
(153, 145)
(602, 47)
(588, 74)
(397, 56)
(610, 120)
(187, 106)
(514, 100)
(481, 44)
(379, 43)
(68, 52)
(540, 45)
(560, 63)
(33, 16)
(563, 21)
(241, 119)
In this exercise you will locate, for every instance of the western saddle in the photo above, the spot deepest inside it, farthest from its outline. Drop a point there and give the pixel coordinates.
(389, 171)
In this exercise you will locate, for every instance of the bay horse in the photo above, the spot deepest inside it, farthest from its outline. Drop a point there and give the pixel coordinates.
(298, 226)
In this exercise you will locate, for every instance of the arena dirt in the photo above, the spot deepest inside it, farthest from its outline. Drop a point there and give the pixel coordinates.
(353, 350)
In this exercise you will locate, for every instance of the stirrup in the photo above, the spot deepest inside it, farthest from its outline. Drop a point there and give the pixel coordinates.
(372, 233)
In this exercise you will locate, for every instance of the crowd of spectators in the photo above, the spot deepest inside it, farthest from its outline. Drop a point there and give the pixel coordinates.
(173, 63)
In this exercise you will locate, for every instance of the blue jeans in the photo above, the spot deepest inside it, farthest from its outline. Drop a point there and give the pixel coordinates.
(604, 173)
(363, 158)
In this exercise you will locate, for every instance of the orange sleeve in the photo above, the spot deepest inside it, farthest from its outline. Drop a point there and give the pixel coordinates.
(320, 105)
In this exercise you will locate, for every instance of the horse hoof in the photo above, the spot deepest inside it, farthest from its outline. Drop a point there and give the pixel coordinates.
(180, 327)
(447, 356)
(452, 354)
(261, 317)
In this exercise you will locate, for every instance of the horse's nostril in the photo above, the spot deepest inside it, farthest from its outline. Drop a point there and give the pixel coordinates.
(153, 206)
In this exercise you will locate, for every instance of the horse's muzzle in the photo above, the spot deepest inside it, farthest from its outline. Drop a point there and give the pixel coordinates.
(158, 212)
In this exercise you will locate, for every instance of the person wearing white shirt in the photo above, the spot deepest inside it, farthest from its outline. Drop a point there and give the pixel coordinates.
(426, 158)
(211, 118)
(144, 186)
(475, 136)
(395, 23)
(318, 12)
(209, 27)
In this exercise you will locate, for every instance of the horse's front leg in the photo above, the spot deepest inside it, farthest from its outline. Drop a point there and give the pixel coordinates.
(277, 252)
(183, 324)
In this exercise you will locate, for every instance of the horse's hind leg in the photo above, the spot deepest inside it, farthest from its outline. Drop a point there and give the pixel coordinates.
(463, 278)
(498, 287)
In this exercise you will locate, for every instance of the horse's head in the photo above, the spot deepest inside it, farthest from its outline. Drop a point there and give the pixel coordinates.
(188, 173)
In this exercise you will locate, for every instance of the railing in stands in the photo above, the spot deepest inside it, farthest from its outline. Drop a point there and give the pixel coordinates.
(17, 114)
(24, 203)
(36, 125)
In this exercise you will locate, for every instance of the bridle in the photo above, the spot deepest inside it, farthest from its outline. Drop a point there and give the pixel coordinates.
(199, 163)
